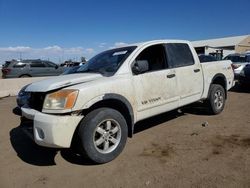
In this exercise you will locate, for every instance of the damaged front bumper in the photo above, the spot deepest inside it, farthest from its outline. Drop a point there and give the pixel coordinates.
(54, 131)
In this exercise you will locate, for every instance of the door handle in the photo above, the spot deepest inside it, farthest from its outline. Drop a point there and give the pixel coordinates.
(170, 75)
(196, 70)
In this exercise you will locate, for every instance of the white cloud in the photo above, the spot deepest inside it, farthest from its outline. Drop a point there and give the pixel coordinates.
(53, 48)
(54, 53)
(90, 50)
(16, 49)
(74, 50)
(120, 44)
(102, 45)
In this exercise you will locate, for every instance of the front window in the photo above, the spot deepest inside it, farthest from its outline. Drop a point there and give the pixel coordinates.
(155, 56)
(49, 64)
(108, 62)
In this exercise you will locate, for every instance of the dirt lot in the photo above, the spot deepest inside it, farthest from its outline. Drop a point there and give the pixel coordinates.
(170, 150)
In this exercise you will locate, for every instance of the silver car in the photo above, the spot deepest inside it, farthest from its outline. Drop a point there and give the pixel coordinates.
(239, 62)
(30, 68)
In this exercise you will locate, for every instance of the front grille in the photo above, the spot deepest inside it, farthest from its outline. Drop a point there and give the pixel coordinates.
(36, 100)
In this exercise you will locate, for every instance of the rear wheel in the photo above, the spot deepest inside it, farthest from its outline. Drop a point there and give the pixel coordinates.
(24, 76)
(216, 99)
(103, 134)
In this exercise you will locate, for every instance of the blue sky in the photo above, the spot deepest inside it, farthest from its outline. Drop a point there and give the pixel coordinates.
(60, 29)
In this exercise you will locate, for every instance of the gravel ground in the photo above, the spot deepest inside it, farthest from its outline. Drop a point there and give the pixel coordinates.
(187, 148)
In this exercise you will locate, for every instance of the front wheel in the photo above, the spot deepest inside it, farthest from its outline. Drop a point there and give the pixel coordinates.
(103, 134)
(216, 99)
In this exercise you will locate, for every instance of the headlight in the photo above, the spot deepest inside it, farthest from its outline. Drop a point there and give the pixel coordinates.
(60, 100)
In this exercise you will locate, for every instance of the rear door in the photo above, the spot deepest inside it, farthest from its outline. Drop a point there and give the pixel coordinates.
(155, 90)
(188, 72)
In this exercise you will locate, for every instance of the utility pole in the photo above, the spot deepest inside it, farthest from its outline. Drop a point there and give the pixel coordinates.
(20, 55)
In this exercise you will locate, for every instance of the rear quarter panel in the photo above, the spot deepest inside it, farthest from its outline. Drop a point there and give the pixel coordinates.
(211, 69)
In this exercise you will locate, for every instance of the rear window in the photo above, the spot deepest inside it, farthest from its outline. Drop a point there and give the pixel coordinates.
(179, 55)
(7, 63)
(19, 65)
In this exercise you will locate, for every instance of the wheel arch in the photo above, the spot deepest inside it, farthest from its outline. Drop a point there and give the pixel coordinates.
(117, 102)
(24, 75)
(219, 79)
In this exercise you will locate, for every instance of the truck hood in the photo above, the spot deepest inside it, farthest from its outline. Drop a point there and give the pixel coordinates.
(61, 81)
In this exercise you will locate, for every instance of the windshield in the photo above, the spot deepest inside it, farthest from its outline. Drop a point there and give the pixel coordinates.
(108, 62)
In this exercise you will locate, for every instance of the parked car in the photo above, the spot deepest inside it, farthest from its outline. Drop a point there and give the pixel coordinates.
(71, 64)
(98, 106)
(206, 58)
(23, 96)
(239, 62)
(244, 77)
(30, 68)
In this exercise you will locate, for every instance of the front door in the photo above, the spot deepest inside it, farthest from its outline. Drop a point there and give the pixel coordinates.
(156, 89)
(38, 68)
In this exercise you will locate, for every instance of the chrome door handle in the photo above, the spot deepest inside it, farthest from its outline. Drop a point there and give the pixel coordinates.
(196, 70)
(170, 75)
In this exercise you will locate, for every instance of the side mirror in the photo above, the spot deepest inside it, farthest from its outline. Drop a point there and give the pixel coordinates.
(56, 67)
(140, 66)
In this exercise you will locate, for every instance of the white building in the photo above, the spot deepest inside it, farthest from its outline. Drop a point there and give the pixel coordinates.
(223, 46)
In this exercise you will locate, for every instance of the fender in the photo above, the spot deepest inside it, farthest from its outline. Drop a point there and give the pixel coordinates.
(219, 75)
(122, 99)
(129, 107)
(117, 97)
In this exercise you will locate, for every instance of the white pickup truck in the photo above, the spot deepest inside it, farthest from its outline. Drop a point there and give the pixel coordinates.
(100, 104)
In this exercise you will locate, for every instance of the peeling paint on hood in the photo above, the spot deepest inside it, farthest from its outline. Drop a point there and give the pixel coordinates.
(61, 81)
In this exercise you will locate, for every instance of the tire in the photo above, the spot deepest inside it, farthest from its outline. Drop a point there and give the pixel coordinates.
(216, 99)
(103, 135)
